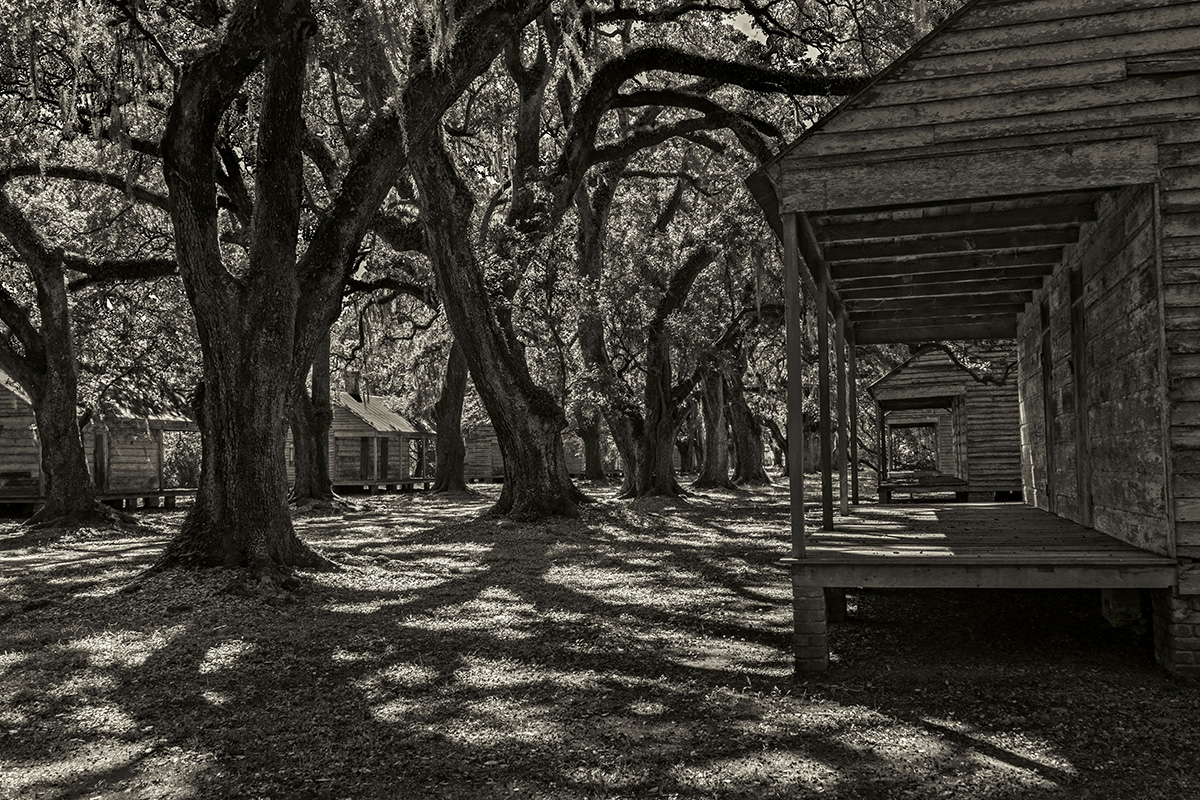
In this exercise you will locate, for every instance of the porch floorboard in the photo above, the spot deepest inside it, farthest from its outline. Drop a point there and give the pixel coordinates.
(978, 545)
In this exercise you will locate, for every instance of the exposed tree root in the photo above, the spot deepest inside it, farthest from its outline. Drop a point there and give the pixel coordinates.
(324, 507)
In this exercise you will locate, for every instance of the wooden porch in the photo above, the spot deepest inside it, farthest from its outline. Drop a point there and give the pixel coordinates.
(984, 545)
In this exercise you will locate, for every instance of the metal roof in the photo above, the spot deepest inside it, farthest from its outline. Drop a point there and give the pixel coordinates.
(372, 411)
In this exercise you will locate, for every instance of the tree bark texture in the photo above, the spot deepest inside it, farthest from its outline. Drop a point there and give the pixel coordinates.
(246, 325)
(311, 419)
(527, 419)
(747, 437)
(588, 428)
(47, 370)
(714, 473)
(70, 493)
(450, 472)
(663, 398)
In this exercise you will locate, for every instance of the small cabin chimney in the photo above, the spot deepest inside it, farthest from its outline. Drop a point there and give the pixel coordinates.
(920, 11)
(353, 380)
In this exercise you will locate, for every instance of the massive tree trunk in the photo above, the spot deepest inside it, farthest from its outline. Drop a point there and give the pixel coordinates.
(588, 428)
(246, 325)
(747, 437)
(450, 472)
(528, 420)
(45, 367)
(311, 418)
(714, 474)
(70, 494)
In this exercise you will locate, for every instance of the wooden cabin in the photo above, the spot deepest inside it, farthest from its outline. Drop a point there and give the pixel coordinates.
(373, 447)
(975, 425)
(1029, 170)
(124, 452)
(483, 461)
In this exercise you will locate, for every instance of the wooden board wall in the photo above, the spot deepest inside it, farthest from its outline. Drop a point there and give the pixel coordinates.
(1125, 422)
(1179, 203)
(483, 459)
(1042, 94)
(20, 459)
(132, 456)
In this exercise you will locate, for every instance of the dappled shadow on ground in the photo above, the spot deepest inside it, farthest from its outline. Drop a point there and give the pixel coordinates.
(638, 652)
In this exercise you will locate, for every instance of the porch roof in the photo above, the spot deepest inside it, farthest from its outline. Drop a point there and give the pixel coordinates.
(934, 202)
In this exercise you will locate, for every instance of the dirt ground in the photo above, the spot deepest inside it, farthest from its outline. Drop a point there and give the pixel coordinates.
(641, 652)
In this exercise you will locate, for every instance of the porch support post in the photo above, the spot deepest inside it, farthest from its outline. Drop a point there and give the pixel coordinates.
(811, 647)
(852, 377)
(823, 399)
(795, 387)
(843, 448)
(881, 472)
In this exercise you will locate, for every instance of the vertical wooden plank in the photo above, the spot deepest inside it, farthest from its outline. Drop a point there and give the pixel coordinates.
(843, 448)
(1048, 405)
(1164, 380)
(383, 458)
(795, 387)
(852, 378)
(158, 441)
(823, 398)
(1079, 386)
(364, 457)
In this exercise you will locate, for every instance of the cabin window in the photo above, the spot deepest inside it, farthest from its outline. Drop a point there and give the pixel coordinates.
(914, 448)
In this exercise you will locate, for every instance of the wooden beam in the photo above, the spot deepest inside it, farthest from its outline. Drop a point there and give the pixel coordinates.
(795, 388)
(950, 177)
(961, 304)
(970, 288)
(852, 379)
(950, 276)
(935, 333)
(1047, 257)
(843, 449)
(942, 245)
(823, 399)
(933, 312)
(833, 229)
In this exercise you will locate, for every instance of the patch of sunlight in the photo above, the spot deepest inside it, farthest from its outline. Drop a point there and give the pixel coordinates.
(498, 673)
(664, 588)
(398, 710)
(647, 708)
(1034, 753)
(87, 764)
(497, 611)
(85, 684)
(382, 686)
(103, 718)
(216, 698)
(801, 773)
(364, 607)
(349, 657)
(224, 655)
(114, 581)
(10, 661)
(498, 722)
(123, 648)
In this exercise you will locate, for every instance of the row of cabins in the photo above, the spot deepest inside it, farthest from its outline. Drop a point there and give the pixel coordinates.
(125, 452)
(1029, 171)
(973, 419)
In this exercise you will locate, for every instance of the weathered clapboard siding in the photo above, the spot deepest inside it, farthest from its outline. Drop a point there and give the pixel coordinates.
(483, 461)
(20, 458)
(1006, 77)
(133, 455)
(1116, 260)
(1179, 202)
(369, 419)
